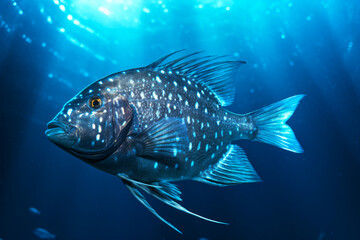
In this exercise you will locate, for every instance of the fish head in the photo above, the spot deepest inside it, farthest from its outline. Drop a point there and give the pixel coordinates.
(93, 124)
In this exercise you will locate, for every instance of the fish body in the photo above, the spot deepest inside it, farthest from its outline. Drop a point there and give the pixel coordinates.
(166, 122)
(156, 96)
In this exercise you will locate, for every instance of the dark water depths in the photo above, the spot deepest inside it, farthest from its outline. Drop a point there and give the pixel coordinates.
(50, 50)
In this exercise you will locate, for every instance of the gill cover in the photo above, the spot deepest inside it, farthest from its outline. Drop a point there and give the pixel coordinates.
(121, 118)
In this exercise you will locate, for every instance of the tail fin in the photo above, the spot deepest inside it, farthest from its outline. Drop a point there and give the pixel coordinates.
(272, 127)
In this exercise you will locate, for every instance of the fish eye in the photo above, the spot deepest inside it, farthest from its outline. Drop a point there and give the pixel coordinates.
(95, 102)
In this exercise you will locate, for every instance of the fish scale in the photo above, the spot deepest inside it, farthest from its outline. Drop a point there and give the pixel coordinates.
(166, 122)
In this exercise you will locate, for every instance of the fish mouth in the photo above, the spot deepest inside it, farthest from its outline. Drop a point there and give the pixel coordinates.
(61, 134)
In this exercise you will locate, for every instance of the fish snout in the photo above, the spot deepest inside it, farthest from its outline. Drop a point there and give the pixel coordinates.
(61, 133)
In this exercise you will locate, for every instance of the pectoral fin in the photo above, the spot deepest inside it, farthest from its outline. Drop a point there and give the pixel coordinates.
(164, 139)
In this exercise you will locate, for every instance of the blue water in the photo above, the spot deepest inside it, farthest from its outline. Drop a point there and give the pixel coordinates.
(50, 50)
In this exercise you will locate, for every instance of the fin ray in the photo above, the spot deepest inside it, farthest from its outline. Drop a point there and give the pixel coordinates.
(164, 139)
(233, 168)
(272, 127)
(162, 195)
(207, 70)
(143, 201)
(164, 191)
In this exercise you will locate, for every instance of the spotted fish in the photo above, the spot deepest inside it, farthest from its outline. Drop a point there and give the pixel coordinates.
(166, 122)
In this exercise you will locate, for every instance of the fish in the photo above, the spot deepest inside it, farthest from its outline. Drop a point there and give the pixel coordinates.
(166, 122)
(43, 233)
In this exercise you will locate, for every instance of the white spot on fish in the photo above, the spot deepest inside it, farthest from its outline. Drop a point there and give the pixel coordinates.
(154, 95)
(101, 119)
(180, 98)
(156, 165)
(206, 111)
(108, 89)
(69, 111)
(207, 147)
(196, 105)
(190, 146)
(170, 96)
(168, 107)
(192, 163)
(198, 94)
(158, 79)
(213, 155)
(93, 126)
(215, 135)
(199, 145)
(175, 83)
(99, 129)
(142, 95)
(97, 137)
(188, 119)
(185, 89)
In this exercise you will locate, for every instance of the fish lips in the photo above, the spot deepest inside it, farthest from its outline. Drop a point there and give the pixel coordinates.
(62, 134)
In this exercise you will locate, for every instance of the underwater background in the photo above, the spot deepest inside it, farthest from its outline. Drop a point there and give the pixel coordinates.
(50, 50)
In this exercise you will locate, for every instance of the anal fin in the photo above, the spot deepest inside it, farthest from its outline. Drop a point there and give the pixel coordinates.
(233, 168)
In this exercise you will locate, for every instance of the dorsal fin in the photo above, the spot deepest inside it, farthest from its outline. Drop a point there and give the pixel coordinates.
(207, 70)
(160, 60)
